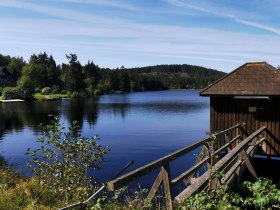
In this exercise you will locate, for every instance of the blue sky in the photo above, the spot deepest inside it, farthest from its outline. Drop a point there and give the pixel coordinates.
(220, 34)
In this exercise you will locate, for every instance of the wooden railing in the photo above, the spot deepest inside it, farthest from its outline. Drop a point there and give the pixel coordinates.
(232, 164)
(164, 176)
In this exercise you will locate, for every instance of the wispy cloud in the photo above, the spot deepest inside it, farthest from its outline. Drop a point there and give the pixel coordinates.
(67, 14)
(111, 3)
(218, 12)
(112, 42)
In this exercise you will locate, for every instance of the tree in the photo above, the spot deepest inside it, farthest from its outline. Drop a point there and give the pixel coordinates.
(26, 87)
(37, 73)
(124, 81)
(92, 77)
(51, 73)
(15, 66)
(4, 60)
(72, 75)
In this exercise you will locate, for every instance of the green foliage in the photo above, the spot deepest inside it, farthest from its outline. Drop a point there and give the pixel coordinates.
(17, 192)
(46, 90)
(15, 66)
(3, 162)
(72, 76)
(218, 198)
(63, 161)
(11, 93)
(265, 195)
(42, 71)
(26, 87)
(122, 199)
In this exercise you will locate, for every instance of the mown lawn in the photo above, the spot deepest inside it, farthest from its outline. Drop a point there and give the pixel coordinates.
(40, 96)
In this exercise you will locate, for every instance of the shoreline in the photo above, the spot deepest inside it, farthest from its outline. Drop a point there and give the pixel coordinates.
(51, 97)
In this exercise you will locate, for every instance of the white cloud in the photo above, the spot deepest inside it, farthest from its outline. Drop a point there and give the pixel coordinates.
(111, 3)
(115, 42)
(218, 12)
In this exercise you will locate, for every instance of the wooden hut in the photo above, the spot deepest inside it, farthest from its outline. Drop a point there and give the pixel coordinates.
(250, 94)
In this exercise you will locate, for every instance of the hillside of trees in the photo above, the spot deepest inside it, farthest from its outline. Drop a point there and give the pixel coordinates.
(42, 74)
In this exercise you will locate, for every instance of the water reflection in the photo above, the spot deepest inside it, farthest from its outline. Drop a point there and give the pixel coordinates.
(17, 116)
(139, 126)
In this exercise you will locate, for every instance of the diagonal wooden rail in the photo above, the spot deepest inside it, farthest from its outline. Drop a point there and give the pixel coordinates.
(236, 159)
(164, 176)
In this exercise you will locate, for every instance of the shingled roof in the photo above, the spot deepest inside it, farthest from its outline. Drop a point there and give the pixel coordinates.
(250, 79)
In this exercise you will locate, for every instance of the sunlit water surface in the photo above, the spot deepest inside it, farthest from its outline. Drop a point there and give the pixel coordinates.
(140, 126)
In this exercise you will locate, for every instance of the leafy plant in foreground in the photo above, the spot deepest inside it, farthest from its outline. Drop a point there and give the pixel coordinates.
(265, 195)
(63, 161)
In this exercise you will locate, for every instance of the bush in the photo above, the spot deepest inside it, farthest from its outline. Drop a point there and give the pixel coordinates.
(77, 94)
(46, 90)
(55, 89)
(26, 87)
(63, 161)
(11, 93)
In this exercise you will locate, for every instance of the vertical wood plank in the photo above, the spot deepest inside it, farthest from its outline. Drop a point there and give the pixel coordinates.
(277, 129)
(165, 171)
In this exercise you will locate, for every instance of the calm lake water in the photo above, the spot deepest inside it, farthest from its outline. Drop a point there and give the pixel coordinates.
(137, 126)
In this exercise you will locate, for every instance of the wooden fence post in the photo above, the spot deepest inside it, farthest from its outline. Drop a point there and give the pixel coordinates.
(165, 171)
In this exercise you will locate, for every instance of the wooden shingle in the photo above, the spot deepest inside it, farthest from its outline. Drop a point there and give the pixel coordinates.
(250, 79)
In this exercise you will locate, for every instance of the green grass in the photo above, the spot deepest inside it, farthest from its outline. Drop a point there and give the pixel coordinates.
(40, 96)
(1, 97)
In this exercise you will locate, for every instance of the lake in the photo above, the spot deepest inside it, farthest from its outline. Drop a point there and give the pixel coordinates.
(142, 126)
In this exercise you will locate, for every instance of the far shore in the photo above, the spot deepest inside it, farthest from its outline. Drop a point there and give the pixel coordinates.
(42, 97)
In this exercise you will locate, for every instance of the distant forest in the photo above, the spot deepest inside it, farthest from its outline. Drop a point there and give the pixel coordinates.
(42, 74)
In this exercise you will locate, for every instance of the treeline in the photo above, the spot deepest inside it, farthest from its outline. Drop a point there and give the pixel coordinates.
(42, 74)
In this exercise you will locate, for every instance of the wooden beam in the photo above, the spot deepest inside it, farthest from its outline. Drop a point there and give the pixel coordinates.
(202, 180)
(271, 147)
(249, 164)
(165, 171)
(135, 174)
(155, 187)
(229, 176)
(203, 154)
(198, 165)
(227, 145)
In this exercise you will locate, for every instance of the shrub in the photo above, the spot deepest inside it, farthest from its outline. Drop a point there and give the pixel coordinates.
(77, 94)
(26, 87)
(63, 161)
(55, 89)
(11, 93)
(46, 90)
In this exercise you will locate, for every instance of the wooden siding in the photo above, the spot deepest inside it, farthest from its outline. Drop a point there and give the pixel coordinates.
(226, 112)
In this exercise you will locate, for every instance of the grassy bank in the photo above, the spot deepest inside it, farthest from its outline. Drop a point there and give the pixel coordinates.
(40, 96)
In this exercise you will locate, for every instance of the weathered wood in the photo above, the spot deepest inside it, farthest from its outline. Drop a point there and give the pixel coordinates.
(165, 171)
(272, 147)
(228, 144)
(249, 164)
(237, 167)
(135, 174)
(201, 181)
(226, 111)
(198, 165)
(155, 187)
(203, 154)
(190, 171)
